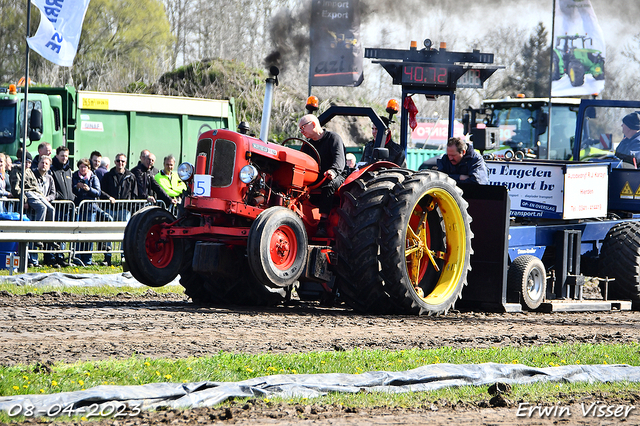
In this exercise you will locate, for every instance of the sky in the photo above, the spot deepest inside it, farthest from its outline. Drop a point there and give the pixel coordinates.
(386, 24)
(471, 19)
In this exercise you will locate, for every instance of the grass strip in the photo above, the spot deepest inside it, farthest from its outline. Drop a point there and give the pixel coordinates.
(229, 367)
(101, 290)
(96, 268)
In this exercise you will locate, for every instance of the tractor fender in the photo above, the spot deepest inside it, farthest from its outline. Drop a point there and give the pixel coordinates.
(368, 168)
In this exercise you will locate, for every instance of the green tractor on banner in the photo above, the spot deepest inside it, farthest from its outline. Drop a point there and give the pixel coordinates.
(576, 61)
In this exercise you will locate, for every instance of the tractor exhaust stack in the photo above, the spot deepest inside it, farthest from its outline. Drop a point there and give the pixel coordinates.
(268, 100)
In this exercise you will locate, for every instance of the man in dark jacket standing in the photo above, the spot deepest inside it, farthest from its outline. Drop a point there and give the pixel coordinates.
(463, 164)
(61, 172)
(147, 185)
(62, 179)
(119, 184)
(44, 150)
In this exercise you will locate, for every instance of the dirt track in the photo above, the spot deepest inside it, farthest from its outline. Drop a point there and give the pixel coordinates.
(92, 328)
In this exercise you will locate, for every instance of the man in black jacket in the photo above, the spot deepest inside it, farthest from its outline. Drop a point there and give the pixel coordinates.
(333, 164)
(629, 148)
(147, 185)
(44, 150)
(119, 184)
(463, 163)
(61, 172)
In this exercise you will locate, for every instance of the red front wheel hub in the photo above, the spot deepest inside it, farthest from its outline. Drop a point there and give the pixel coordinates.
(159, 250)
(283, 247)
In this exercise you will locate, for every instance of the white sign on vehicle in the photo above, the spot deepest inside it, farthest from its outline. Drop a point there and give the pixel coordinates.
(202, 185)
(92, 126)
(553, 191)
(585, 192)
(534, 190)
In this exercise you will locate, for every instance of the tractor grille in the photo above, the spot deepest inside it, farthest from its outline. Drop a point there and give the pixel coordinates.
(204, 147)
(224, 161)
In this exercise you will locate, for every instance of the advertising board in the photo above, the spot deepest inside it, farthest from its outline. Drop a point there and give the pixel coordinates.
(552, 191)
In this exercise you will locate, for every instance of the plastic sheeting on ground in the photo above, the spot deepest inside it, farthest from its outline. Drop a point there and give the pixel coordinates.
(59, 279)
(429, 377)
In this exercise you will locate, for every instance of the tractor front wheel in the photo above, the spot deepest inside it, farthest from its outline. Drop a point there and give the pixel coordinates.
(153, 260)
(426, 244)
(277, 247)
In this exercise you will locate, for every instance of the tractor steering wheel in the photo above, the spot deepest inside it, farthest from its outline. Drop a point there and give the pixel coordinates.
(313, 148)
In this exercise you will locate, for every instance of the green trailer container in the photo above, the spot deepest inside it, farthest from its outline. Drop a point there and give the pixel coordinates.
(417, 156)
(114, 123)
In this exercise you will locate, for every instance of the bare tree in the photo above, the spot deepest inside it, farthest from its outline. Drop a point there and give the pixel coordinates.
(177, 13)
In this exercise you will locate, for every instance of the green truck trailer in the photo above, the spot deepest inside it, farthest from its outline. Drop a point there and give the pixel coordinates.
(111, 123)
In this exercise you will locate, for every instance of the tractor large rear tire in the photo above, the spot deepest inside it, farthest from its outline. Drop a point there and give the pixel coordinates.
(195, 287)
(152, 260)
(426, 223)
(359, 281)
(620, 259)
(237, 286)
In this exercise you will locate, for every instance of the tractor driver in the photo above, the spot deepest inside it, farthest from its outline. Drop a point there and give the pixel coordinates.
(332, 162)
(463, 164)
(629, 148)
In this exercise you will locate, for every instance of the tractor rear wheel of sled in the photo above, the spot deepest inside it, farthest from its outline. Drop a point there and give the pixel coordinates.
(426, 243)
(277, 247)
(152, 259)
(527, 277)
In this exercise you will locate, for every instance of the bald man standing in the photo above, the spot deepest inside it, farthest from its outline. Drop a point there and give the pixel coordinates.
(332, 162)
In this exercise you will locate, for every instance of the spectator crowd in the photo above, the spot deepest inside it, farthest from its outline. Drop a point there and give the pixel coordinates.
(49, 178)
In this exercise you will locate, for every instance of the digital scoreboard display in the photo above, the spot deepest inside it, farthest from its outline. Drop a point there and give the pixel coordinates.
(425, 75)
(471, 79)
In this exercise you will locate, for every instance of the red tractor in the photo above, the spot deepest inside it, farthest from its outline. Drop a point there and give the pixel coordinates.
(397, 241)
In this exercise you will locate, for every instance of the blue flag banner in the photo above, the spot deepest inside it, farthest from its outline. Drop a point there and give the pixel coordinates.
(59, 32)
(578, 50)
(336, 51)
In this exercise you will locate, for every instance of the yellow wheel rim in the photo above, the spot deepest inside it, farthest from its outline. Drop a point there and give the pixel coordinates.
(419, 254)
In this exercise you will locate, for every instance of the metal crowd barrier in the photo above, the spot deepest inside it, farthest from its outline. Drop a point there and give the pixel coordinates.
(9, 205)
(75, 229)
(173, 208)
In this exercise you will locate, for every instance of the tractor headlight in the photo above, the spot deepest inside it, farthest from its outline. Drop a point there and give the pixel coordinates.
(185, 171)
(248, 174)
